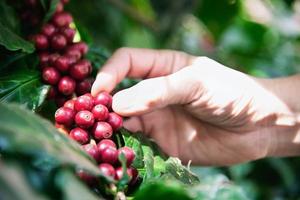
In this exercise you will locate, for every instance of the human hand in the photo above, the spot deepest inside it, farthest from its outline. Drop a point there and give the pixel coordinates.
(197, 109)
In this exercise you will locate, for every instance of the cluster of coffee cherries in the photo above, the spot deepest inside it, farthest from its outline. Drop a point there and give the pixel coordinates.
(61, 60)
(90, 121)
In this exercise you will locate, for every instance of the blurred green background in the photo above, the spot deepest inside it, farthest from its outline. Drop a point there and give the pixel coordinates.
(258, 37)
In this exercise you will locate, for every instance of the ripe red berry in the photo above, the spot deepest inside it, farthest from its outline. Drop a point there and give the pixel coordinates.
(128, 153)
(64, 116)
(102, 130)
(59, 7)
(69, 104)
(80, 70)
(83, 103)
(83, 87)
(62, 63)
(79, 135)
(62, 128)
(73, 53)
(105, 143)
(81, 46)
(48, 30)
(93, 151)
(64, 1)
(107, 169)
(52, 58)
(100, 112)
(58, 41)
(85, 177)
(115, 120)
(135, 175)
(50, 75)
(103, 98)
(66, 85)
(119, 173)
(43, 58)
(69, 33)
(62, 19)
(84, 119)
(41, 41)
(52, 93)
(109, 155)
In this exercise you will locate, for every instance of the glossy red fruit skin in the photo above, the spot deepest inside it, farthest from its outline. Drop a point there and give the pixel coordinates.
(43, 58)
(100, 112)
(66, 85)
(59, 7)
(62, 63)
(80, 70)
(129, 154)
(79, 135)
(102, 130)
(93, 151)
(74, 53)
(52, 93)
(135, 175)
(85, 177)
(48, 30)
(58, 42)
(83, 87)
(81, 46)
(115, 120)
(69, 33)
(119, 173)
(64, 1)
(83, 103)
(41, 41)
(106, 143)
(69, 104)
(62, 19)
(64, 116)
(50, 75)
(103, 98)
(109, 155)
(84, 119)
(107, 170)
(52, 58)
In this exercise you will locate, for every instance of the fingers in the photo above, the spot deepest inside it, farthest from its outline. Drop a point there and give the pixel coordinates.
(138, 63)
(181, 87)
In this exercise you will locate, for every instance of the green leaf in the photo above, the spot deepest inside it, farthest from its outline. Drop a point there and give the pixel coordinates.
(13, 42)
(8, 17)
(51, 9)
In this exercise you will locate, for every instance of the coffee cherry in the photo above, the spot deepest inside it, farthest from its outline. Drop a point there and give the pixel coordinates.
(41, 41)
(79, 135)
(100, 112)
(128, 153)
(84, 119)
(83, 103)
(62, 19)
(119, 173)
(105, 143)
(43, 58)
(81, 46)
(107, 169)
(109, 155)
(73, 53)
(52, 93)
(66, 85)
(59, 7)
(80, 70)
(88, 179)
(62, 128)
(52, 58)
(50, 75)
(69, 104)
(58, 41)
(83, 87)
(64, 116)
(102, 130)
(48, 30)
(135, 176)
(69, 33)
(103, 98)
(64, 1)
(62, 63)
(115, 120)
(93, 151)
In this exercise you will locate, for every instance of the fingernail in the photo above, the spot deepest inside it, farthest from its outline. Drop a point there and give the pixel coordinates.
(103, 83)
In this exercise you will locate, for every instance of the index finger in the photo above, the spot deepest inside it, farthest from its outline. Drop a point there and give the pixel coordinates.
(138, 63)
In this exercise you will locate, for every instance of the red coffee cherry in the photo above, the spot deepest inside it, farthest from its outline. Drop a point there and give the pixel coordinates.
(103, 98)
(64, 1)
(135, 175)
(48, 30)
(88, 179)
(115, 120)
(81, 46)
(62, 19)
(41, 41)
(79, 135)
(80, 70)
(109, 155)
(69, 33)
(119, 173)
(44, 58)
(59, 7)
(102, 130)
(66, 85)
(105, 143)
(73, 53)
(83, 103)
(107, 169)
(84, 119)
(58, 41)
(93, 151)
(128, 153)
(100, 112)
(50, 75)
(64, 116)
(52, 93)
(83, 87)
(62, 63)
(69, 104)
(52, 58)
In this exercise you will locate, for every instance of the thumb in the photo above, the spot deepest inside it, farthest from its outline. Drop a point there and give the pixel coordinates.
(154, 93)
